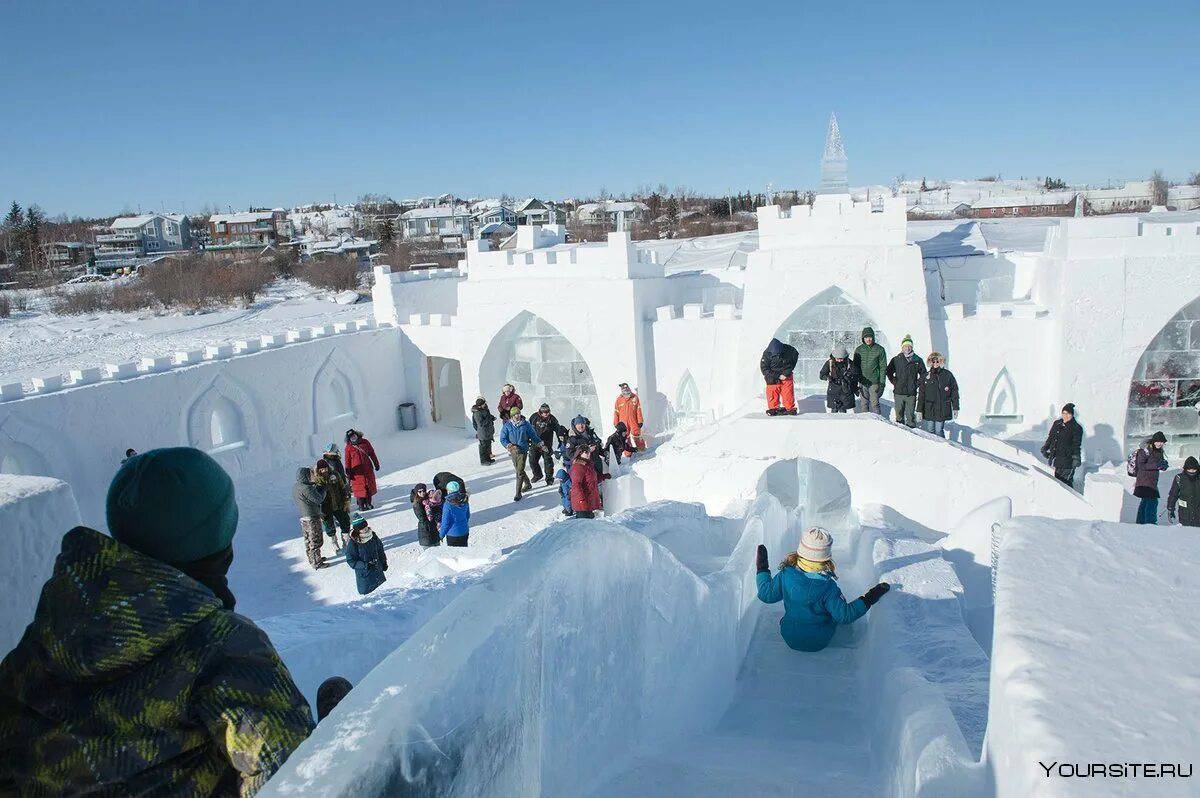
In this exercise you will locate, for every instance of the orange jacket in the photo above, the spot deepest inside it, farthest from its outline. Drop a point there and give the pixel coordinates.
(629, 410)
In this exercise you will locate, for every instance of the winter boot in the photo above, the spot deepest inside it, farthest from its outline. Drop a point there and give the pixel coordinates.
(549, 480)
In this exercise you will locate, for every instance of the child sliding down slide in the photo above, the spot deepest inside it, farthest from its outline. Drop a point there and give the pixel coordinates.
(812, 601)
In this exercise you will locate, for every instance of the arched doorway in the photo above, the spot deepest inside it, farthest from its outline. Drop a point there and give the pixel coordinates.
(829, 318)
(544, 366)
(817, 491)
(446, 392)
(1165, 389)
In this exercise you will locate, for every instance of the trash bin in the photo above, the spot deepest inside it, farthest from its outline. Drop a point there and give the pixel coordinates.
(408, 415)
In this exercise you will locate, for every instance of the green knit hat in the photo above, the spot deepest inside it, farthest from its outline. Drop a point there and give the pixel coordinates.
(906, 340)
(176, 505)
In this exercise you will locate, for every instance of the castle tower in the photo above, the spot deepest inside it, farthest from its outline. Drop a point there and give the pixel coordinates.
(833, 162)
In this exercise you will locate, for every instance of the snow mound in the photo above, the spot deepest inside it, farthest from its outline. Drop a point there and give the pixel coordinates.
(570, 653)
(35, 512)
(1096, 655)
(346, 297)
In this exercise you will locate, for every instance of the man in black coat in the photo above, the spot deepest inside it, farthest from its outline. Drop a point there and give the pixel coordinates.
(777, 364)
(906, 372)
(546, 426)
(1184, 497)
(1062, 446)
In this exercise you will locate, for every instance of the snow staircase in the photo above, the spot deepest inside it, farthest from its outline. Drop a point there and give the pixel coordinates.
(797, 726)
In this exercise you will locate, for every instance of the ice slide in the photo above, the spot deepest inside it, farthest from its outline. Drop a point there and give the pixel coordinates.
(631, 657)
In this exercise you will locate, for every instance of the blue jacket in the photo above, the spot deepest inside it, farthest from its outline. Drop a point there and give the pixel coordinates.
(456, 519)
(813, 606)
(359, 556)
(521, 435)
(564, 487)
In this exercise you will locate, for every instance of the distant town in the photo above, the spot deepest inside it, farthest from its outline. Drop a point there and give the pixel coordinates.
(428, 232)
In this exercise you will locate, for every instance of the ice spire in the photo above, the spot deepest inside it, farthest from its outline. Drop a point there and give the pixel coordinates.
(833, 162)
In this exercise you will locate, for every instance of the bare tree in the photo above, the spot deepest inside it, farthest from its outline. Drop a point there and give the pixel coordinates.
(1158, 187)
(1194, 179)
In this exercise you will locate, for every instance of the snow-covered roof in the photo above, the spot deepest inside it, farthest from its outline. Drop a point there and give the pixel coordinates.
(937, 207)
(496, 227)
(436, 212)
(612, 207)
(525, 203)
(133, 222)
(1133, 190)
(1025, 200)
(241, 217)
(1183, 192)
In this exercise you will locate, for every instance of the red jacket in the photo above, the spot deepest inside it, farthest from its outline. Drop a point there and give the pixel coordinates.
(585, 486)
(361, 464)
(507, 403)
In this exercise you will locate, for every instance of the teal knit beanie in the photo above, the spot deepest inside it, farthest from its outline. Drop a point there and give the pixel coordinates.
(176, 505)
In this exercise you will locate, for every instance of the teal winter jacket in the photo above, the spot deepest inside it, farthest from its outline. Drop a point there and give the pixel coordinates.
(813, 606)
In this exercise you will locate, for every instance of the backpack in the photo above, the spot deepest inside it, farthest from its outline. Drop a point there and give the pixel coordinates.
(1131, 464)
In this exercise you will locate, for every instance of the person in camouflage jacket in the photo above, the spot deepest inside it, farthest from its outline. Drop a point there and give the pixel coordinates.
(135, 676)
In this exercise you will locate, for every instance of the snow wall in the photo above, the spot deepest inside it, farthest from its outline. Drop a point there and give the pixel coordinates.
(1096, 656)
(578, 647)
(886, 466)
(35, 512)
(254, 411)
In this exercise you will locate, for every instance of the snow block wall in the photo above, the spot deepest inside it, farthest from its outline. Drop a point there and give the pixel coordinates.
(574, 651)
(886, 466)
(35, 512)
(254, 411)
(1096, 657)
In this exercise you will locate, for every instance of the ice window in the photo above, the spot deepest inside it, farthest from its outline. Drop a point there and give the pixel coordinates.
(1165, 389)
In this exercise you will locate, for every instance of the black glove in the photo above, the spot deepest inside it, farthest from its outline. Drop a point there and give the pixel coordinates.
(763, 564)
(873, 595)
(1171, 516)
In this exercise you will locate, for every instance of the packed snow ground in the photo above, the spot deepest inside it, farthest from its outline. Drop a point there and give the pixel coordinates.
(271, 575)
(37, 342)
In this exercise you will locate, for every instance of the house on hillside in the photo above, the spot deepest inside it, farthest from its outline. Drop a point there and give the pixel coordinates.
(67, 254)
(1134, 196)
(1183, 198)
(939, 210)
(129, 239)
(1051, 203)
(493, 218)
(611, 213)
(535, 211)
(248, 229)
(449, 223)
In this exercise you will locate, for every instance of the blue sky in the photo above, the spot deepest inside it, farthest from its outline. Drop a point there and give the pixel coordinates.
(119, 105)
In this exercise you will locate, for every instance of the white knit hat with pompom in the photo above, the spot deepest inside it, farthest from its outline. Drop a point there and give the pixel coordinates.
(816, 545)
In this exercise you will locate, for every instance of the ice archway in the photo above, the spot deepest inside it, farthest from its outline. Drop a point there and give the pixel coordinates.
(831, 317)
(222, 422)
(1165, 389)
(543, 365)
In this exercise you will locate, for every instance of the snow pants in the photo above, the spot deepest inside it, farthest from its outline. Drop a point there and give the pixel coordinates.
(1148, 511)
(311, 529)
(541, 462)
(782, 394)
(906, 409)
(485, 452)
(342, 520)
(869, 399)
(518, 461)
(454, 540)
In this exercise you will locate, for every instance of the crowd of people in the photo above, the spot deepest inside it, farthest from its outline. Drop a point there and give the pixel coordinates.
(927, 391)
(857, 382)
(161, 639)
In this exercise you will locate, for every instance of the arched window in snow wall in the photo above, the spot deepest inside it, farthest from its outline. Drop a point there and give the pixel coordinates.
(543, 366)
(1002, 398)
(829, 318)
(221, 421)
(1166, 387)
(687, 412)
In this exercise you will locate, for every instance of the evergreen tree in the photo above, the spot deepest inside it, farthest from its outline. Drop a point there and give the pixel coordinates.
(32, 236)
(387, 231)
(923, 186)
(672, 213)
(12, 234)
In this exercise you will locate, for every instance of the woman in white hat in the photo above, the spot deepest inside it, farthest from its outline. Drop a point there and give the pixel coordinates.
(807, 585)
